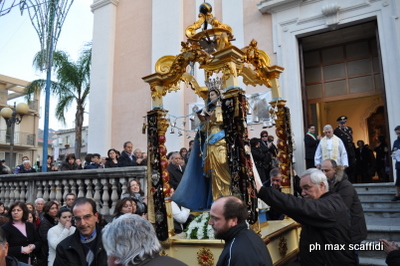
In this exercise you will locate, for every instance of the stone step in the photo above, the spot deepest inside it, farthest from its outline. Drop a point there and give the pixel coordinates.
(379, 228)
(385, 230)
(375, 187)
(366, 261)
(380, 204)
(374, 251)
(373, 196)
(382, 213)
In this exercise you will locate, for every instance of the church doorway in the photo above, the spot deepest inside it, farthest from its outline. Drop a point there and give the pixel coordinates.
(342, 76)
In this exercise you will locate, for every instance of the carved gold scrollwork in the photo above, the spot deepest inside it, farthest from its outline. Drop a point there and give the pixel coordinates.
(282, 246)
(163, 65)
(205, 257)
(191, 30)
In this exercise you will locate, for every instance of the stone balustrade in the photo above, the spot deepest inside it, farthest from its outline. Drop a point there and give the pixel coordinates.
(105, 186)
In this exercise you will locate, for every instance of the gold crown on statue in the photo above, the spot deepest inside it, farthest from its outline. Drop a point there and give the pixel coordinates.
(214, 83)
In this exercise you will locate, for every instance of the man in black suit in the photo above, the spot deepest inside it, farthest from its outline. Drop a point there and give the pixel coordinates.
(126, 158)
(345, 133)
(175, 169)
(311, 142)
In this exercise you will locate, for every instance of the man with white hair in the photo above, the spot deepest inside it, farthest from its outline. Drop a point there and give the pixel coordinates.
(330, 147)
(25, 167)
(325, 237)
(131, 240)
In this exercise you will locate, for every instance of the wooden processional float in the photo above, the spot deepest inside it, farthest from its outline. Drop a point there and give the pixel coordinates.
(213, 51)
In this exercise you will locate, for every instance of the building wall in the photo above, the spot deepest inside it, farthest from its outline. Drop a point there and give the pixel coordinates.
(146, 30)
(26, 133)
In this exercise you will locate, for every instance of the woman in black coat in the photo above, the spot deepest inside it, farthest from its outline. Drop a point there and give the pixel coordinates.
(23, 240)
(50, 210)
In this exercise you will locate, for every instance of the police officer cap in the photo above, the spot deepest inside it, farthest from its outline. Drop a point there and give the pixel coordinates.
(342, 119)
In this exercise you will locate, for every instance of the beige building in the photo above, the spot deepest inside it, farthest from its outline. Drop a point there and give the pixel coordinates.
(25, 135)
(340, 58)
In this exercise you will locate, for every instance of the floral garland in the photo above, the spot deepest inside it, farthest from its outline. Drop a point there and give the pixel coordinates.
(199, 227)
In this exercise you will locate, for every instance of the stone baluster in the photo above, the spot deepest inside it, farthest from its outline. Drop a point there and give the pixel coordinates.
(89, 188)
(39, 189)
(114, 194)
(17, 191)
(72, 182)
(22, 193)
(52, 194)
(105, 198)
(7, 193)
(65, 189)
(2, 191)
(12, 192)
(45, 191)
(81, 188)
(125, 186)
(59, 196)
(97, 194)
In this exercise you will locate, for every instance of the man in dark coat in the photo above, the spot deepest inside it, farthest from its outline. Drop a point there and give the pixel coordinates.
(339, 183)
(325, 238)
(345, 133)
(261, 160)
(242, 245)
(24, 168)
(126, 158)
(365, 162)
(395, 155)
(85, 246)
(311, 143)
(175, 170)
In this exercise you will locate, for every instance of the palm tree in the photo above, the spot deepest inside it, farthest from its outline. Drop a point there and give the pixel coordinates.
(72, 85)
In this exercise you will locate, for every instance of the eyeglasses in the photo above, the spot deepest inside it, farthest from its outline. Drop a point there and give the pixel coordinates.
(86, 218)
(264, 136)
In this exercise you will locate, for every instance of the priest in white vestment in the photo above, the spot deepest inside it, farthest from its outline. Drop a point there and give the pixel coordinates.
(331, 147)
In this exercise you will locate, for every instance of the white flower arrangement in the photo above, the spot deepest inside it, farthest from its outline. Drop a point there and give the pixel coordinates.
(199, 227)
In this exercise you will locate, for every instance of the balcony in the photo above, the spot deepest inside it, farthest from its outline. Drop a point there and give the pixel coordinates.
(105, 186)
(20, 138)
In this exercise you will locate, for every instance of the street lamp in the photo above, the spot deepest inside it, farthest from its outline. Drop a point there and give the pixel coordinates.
(12, 117)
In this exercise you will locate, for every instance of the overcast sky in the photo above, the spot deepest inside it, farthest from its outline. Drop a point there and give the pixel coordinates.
(19, 42)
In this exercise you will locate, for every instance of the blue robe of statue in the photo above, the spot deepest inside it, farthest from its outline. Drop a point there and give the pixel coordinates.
(194, 190)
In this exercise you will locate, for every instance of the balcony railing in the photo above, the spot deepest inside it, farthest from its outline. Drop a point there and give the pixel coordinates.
(105, 186)
(20, 138)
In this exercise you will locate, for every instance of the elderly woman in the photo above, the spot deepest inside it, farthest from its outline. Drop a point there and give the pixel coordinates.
(131, 240)
(23, 240)
(49, 220)
(136, 192)
(59, 232)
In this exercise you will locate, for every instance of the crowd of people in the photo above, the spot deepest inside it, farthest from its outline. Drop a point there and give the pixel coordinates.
(128, 157)
(48, 233)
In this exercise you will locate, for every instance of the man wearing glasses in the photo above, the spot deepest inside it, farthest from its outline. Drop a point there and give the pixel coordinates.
(85, 246)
